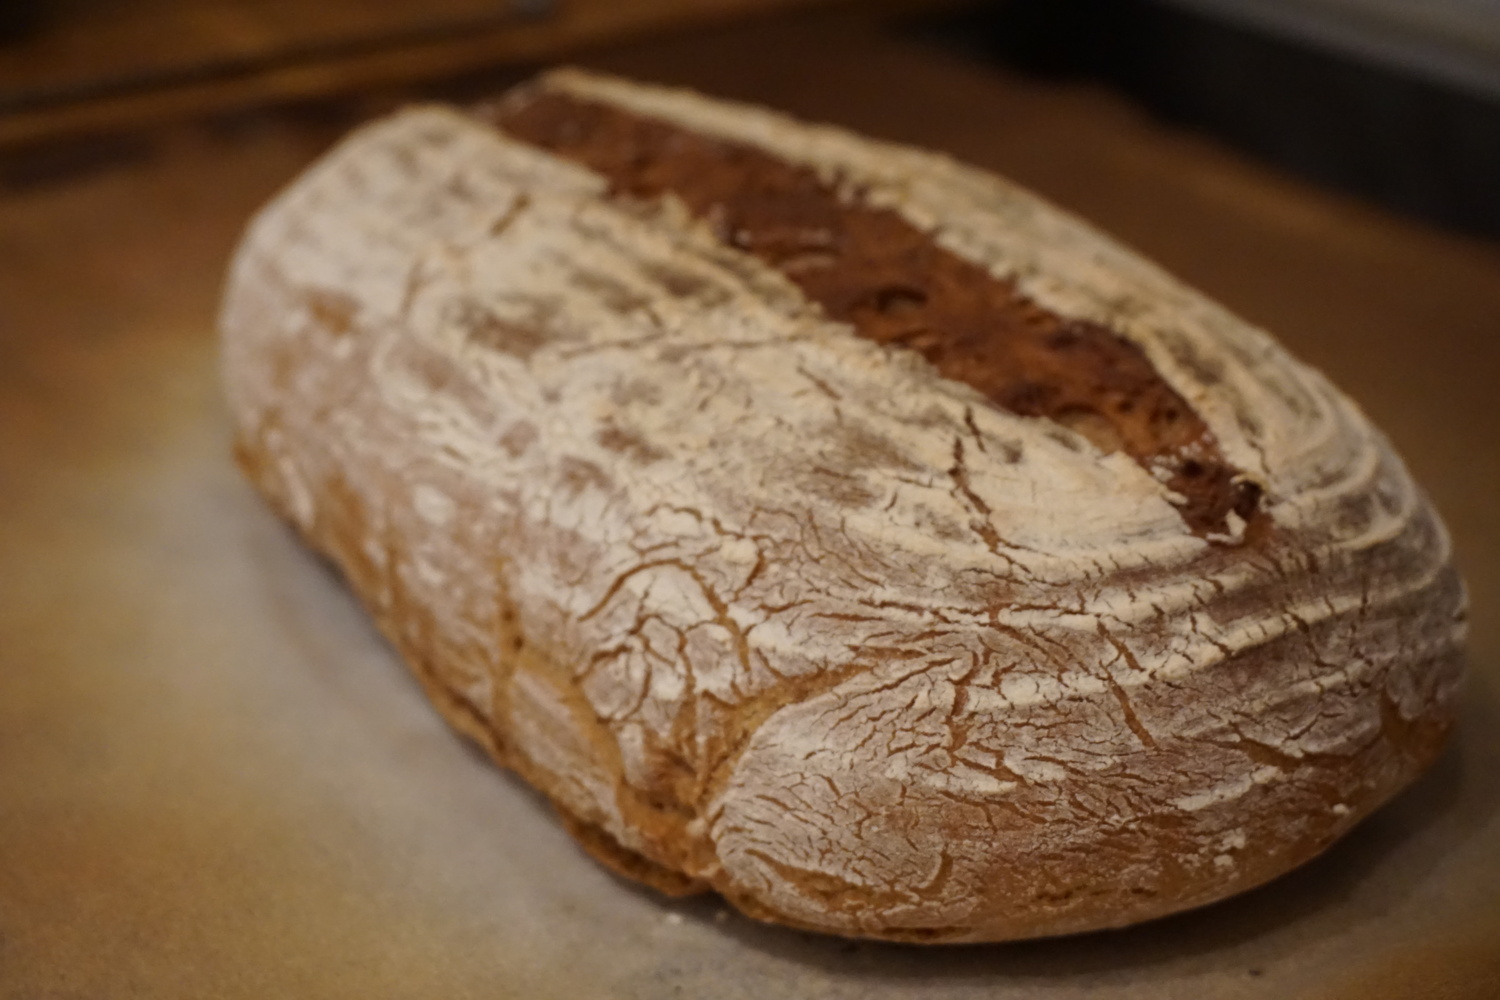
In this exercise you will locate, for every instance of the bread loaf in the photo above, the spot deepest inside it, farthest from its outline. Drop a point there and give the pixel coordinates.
(833, 526)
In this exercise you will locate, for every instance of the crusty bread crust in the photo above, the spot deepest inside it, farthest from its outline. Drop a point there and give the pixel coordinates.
(768, 608)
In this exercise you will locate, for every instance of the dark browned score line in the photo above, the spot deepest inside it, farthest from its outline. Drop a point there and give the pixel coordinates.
(870, 268)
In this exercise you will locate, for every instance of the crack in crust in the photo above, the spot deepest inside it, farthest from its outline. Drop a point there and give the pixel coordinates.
(869, 267)
(768, 607)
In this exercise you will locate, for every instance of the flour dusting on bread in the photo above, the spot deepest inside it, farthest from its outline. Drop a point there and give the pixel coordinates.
(772, 608)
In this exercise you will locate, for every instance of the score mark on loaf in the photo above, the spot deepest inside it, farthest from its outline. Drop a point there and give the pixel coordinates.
(834, 526)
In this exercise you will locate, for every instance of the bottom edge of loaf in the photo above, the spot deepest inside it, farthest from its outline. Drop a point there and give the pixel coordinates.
(1420, 745)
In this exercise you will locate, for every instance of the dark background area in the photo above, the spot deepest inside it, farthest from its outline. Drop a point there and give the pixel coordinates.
(1381, 132)
(1409, 141)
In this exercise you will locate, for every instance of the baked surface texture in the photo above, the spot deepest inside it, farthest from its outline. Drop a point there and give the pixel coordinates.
(772, 599)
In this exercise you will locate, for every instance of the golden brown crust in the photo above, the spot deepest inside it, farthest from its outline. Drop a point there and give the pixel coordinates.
(631, 864)
(770, 607)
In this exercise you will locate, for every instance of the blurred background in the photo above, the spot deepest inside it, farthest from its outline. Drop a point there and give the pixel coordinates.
(1395, 101)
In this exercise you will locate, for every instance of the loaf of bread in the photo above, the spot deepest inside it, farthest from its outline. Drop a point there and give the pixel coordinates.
(833, 526)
